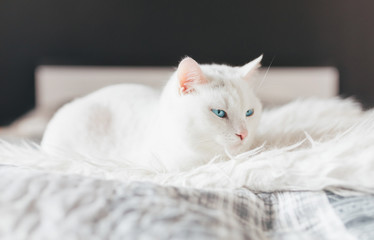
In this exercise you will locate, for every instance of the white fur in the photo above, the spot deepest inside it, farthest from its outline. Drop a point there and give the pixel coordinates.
(310, 145)
(130, 132)
(176, 131)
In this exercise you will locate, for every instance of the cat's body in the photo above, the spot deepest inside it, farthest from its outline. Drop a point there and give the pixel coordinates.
(106, 123)
(203, 111)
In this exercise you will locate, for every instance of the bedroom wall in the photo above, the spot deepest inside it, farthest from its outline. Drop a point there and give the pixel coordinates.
(158, 33)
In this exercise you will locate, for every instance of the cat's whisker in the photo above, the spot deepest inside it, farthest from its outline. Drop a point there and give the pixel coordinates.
(229, 154)
(251, 152)
(214, 159)
(266, 74)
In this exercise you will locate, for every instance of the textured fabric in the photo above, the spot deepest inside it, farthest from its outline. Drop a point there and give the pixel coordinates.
(39, 205)
(310, 144)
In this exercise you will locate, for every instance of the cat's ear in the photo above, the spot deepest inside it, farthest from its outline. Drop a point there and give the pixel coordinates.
(247, 71)
(189, 74)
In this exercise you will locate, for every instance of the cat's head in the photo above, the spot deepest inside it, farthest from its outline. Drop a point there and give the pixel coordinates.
(216, 104)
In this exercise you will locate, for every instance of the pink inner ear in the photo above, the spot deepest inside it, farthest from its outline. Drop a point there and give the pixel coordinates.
(189, 73)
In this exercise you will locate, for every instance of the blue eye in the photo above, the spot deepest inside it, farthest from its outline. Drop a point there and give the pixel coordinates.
(220, 113)
(249, 113)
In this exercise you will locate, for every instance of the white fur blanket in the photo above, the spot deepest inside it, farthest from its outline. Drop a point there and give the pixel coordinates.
(308, 144)
(305, 145)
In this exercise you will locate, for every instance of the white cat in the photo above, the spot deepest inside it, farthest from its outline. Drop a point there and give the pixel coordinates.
(203, 111)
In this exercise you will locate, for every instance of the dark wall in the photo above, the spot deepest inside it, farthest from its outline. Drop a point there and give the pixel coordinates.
(139, 32)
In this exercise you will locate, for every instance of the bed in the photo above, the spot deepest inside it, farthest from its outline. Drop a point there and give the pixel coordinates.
(74, 197)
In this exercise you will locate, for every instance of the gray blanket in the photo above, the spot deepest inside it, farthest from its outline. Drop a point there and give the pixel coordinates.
(39, 205)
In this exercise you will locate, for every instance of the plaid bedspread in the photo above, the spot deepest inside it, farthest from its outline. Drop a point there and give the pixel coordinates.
(38, 205)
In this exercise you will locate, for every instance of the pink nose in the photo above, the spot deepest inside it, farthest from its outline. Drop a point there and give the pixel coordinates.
(242, 134)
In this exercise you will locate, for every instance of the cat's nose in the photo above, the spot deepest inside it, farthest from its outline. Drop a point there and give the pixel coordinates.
(242, 134)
